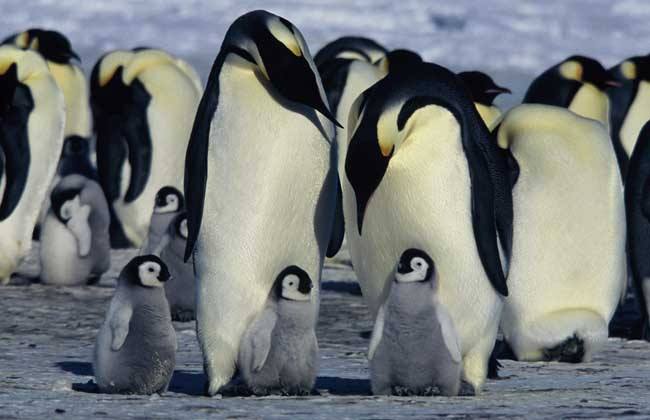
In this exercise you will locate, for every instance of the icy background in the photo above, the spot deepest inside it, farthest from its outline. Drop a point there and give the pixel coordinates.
(47, 334)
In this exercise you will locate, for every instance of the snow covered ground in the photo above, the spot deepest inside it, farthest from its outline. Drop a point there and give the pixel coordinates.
(47, 334)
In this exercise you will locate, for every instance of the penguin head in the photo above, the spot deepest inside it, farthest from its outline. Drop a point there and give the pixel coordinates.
(277, 48)
(630, 69)
(481, 87)
(294, 284)
(66, 203)
(586, 70)
(146, 271)
(180, 226)
(398, 60)
(414, 265)
(168, 200)
(75, 146)
(350, 48)
(52, 45)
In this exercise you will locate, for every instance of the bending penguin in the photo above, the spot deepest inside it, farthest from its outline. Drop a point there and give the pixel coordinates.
(279, 351)
(637, 206)
(75, 246)
(630, 103)
(352, 48)
(422, 170)
(168, 205)
(181, 293)
(135, 350)
(260, 182)
(483, 91)
(143, 103)
(32, 115)
(568, 266)
(414, 346)
(577, 83)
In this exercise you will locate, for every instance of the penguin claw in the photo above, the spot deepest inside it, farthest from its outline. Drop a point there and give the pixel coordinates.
(571, 350)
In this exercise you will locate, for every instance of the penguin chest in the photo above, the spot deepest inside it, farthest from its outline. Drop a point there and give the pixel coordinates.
(636, 117)
(59, 252)
(591, 102)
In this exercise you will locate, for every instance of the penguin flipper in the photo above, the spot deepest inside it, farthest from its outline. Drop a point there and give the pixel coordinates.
(119, 324)
(338, 225)
(261, 331)
(137, 135)
(111, 154)
(377, 332)
(449, 335)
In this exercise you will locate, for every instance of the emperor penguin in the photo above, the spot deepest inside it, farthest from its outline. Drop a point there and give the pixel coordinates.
(629, 105)
(144, 103)
(169, 203)
(135, 350)
(350, 47)
(260, 181)
(637, 206)
(32, 115)
(483, 91)
(279, 351)
(422, 170)
(75, 246)
(414, 346)
(568, 266)
(181, 293)
(577, 83)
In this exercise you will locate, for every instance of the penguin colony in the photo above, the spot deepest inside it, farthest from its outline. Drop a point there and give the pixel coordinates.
(462, 221)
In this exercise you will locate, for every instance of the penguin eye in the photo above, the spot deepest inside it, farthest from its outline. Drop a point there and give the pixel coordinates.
(150, 269)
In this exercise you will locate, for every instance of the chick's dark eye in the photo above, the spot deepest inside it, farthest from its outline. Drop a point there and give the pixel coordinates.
(150, 269)
(290, 283)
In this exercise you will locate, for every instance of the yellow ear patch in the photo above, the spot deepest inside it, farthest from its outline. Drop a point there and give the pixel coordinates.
(285, 36)
(22, 39)
(34, 44)
(387, 134)
(30, 64)
(571, 70)
(111, 62)
(351, 55)
(384, 65)
(628, 70)
(143, 60)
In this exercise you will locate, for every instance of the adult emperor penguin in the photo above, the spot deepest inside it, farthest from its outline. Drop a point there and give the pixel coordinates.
(483, 91)
(135, 350)
(350, 47)
(181, 293)
(169, 204)
(637, 206)
(568, 266)
(75, 246)
(414, 346)
(32, 115)
(143, 104)
(629, 105)
(423, 171)
(577, 83)
(279, 351)
(260, 181)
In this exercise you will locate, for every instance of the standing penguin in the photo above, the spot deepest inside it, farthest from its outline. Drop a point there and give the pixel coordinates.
(577, 83)
(568, 266)
(143, 105)
(75, 246)
(279, 351)
(350, 47)
(135, 351)
(483, 91)
(414, 344)
(181, 293)
(32, 115)
(637, 206)
(169, 204)
(422, 169)
(630, 104)
(260, 182)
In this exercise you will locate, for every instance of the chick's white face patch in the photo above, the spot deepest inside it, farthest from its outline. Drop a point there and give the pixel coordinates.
(149, 272)
(419, 269)
(290, 290)
(171, 206)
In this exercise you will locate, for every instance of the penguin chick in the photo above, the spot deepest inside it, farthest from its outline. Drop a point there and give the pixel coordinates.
(181, 293)
(135, 351)
(75, 245)
(279, 351)
(169, 204)
(414, 347)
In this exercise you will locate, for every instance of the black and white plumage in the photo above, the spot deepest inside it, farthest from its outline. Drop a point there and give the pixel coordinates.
(350, 47)
(135, 351)
(181, 293)
(279, 351)
(414, 347)
(75, 246)
(168, 205)
(483, 91)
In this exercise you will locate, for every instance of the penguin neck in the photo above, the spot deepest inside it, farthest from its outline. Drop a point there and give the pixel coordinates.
(296, 314)
(411, 298)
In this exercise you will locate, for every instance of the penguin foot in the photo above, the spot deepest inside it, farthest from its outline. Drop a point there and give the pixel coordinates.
(493, 367)
(401, 391)
(466, 389)
(571, 350)
(296, 392)
(365, 334)
(93, 279)
(182, 315)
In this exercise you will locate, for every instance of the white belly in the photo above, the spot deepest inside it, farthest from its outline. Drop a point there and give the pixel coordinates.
(636, 117)
(60, 262)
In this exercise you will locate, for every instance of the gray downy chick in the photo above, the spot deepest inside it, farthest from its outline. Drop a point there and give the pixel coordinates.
(181, 293)
(414, 348)
(75, 243)
(169, 204)
(135, 351)
(279, 351)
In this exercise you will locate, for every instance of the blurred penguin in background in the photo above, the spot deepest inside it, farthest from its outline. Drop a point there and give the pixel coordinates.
(169, 204)
(351, 48)
(143, 103)
(181, 293)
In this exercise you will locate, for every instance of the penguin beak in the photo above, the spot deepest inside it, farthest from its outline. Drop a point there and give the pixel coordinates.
(75, 56)
(498, 90)
(613, 83)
